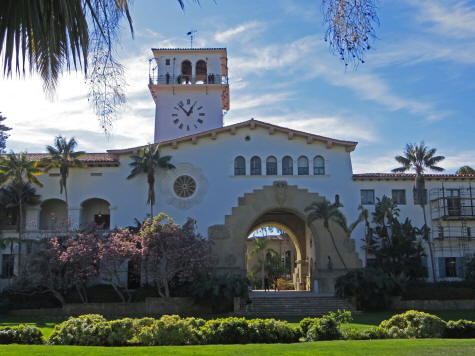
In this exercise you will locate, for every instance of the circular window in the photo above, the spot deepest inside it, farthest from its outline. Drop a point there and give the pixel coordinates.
(184, 186)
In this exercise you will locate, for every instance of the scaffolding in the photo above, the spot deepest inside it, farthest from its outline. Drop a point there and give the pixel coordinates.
(451, 210)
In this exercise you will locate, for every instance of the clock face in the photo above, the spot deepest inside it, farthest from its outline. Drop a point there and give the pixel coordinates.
(188, 114)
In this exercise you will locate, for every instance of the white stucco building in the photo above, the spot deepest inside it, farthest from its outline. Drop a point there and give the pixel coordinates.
(225, 174)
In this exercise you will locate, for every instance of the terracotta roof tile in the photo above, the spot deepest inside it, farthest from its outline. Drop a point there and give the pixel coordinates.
(91, 159)
(409, 176)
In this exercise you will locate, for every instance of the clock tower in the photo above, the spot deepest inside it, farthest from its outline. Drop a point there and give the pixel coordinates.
(190, 89)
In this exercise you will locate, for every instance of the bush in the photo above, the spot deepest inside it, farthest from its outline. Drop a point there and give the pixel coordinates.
(326, 327)
(271, 331)
(414, 323)
(21, 334)
(460, 329)
(226, 331)
(372, 288)
(92, 329)
(171, 330)
(369, 334)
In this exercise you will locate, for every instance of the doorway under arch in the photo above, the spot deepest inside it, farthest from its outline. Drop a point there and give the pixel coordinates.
(283, 206)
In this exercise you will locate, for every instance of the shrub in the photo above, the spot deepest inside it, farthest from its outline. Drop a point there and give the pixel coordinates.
(372, 288)
(271, 330)
(92, 329)
(414, 323)
(369, 334)
(326, 327)
(171, 330)
(21, 334)
(226, 331)
(460, 329)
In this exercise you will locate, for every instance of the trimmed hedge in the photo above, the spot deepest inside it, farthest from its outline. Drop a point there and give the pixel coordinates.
(414, 323)
(460, 329)
(327, 327)
(21, 334)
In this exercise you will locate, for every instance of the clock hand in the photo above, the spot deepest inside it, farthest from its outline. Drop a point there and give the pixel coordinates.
(182, 108)
(191, 109)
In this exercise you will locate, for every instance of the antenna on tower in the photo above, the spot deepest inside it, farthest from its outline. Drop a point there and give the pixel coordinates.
(192, 35)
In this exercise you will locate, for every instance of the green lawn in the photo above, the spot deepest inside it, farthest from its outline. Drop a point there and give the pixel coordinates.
(432, 347)
(361, 321)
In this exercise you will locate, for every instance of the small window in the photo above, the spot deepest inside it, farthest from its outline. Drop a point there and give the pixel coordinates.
(367, 196)
(318, 166)
(271, 166)
(8, 263)
(303, 166)
(96, 174)
(256, 166)
(240, 166)
(287, 166)
(167, 61)
(450, 267)
(399, 196)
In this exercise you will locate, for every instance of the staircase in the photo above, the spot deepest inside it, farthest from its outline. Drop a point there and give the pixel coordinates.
(290, 303)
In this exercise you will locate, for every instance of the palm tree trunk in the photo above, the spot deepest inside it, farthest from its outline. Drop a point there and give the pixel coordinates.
(20, 233)
(427, 238)
(336, 248)
(262, 272)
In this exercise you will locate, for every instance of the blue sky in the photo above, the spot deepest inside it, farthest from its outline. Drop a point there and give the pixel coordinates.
(418, 82)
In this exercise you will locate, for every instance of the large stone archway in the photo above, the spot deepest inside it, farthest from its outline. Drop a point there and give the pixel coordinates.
(285, 205)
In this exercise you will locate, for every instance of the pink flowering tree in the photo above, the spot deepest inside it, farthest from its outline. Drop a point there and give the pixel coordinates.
(115, 251)
(172, 252)
(65, 263)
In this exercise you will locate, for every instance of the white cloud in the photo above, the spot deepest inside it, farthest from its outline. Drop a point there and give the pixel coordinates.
(453, 18)
(253, 101)
(243, 31)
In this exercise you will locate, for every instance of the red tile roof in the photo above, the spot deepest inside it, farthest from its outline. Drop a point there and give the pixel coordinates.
(90, 159)
(409, 176)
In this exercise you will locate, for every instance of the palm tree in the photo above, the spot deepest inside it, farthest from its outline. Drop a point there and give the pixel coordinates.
(15, 169)
(326, 211)
(364, 217)
(261, 247)
(147, 161)
(420, 158)
(62, 156)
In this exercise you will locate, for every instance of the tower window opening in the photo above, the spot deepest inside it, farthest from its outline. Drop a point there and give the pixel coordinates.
(186, 72)
(201, 72)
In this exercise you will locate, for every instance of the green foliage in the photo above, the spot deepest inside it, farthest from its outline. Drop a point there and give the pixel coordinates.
(21, 334)
(460, 329)
(326, 327)
(414, 323)
(373, 333)
(219, 290)
(92, 329)
(171, 330)
(372, 288)
(272, 331)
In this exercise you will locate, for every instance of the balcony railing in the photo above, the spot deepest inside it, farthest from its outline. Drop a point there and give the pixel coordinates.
(181, 79)
(452, 232)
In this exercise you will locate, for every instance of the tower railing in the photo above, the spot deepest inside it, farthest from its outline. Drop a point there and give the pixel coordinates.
(183, 79)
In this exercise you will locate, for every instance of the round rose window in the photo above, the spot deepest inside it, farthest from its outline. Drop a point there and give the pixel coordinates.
(184, 186)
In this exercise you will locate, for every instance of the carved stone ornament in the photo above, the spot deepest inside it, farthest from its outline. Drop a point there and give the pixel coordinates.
(280, 191)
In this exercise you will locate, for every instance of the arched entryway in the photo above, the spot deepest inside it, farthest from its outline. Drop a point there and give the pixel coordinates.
(54, 215)
(283, 205)
(95, 213)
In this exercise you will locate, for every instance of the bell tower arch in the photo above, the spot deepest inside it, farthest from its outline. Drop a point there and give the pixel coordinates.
(190, 89)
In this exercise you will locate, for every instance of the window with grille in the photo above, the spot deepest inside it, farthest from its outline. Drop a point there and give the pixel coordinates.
(8, 263)
(367, 196)
(271, 166)
(287, 166)
(256, 166)
(318, 166)
(302, 166)
(399, 196)
(240, 166)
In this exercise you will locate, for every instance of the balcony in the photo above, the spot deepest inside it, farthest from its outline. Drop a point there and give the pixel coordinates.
(452, 232)
(180, 79)
(452, 203)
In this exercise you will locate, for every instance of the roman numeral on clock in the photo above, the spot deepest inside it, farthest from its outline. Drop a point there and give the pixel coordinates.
(176, 121)
(200, 121)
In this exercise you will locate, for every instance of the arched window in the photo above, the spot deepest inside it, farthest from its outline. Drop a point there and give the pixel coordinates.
(240, 166)
(185, 72)
(302, 166)
(201, 71)
(256, 166)
(287, 166)
(271, 166)
(318, 166)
